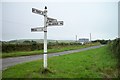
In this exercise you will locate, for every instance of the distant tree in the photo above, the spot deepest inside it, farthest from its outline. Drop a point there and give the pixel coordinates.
(34, 45)
(26, 42)
(102, 41)
(57, 42)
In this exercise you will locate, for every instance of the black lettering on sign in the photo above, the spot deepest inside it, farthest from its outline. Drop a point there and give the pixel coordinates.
(33, 29)
(37, 11)
(61, 23)
(33, 9)
(55, 23)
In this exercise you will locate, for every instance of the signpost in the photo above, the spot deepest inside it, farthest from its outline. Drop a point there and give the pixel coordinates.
(47, 22)
(51, 19)
(57, 23)
(38, 11)
(37, 29)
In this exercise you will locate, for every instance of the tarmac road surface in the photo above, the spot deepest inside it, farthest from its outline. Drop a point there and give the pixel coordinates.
(7, 62)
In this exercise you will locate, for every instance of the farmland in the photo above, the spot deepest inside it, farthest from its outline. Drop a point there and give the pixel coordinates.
(95, 63)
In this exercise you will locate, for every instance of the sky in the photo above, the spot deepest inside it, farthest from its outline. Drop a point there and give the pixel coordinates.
(100, 18)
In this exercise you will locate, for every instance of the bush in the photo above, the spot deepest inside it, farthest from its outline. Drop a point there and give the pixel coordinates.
(102, 41)
(21, 47)
(31, 46)
(114, 46)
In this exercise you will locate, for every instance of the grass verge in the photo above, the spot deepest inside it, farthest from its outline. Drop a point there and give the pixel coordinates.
(95, 63)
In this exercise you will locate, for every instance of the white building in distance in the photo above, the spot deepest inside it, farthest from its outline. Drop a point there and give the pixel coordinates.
(83, 40)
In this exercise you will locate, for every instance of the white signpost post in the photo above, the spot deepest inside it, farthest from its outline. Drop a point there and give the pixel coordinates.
(47, 22)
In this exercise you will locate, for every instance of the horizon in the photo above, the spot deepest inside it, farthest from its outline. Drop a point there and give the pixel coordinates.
(51, 39)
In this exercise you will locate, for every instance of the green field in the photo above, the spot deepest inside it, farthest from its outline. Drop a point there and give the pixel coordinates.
(54, 49)
(95, 63)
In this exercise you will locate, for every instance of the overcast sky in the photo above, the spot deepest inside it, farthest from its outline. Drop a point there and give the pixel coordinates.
(80, 18)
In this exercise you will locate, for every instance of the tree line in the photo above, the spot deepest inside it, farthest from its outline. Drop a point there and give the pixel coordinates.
(31, 46)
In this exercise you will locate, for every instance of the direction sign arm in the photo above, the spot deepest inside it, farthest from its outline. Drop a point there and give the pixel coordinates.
(38, 11)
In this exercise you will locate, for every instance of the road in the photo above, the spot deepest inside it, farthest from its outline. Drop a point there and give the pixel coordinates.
(7, 62)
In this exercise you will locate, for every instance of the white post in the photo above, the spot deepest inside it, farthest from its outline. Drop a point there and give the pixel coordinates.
(45, 39)
(76, 38)
(90, 37)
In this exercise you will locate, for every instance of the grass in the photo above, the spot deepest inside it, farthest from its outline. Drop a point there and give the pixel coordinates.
(95, 63)
(54, 49)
